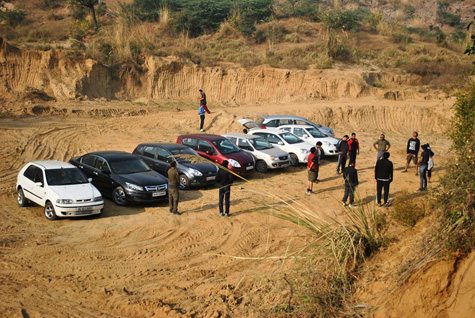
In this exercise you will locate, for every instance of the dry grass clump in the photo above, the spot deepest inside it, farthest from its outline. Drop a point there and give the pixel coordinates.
(407, 211)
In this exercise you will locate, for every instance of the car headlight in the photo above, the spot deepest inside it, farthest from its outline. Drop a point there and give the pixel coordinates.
(327, 143)
(65, 201)
(196, 172)
(97, 199)
(272, 157)
(132, 186)
(304, 151)
(234, 163)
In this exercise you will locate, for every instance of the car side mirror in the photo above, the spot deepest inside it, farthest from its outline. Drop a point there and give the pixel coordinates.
(89, 179)
(208, 152)
(305, 136)
(106, 172)
(280, 143)
(39, 184)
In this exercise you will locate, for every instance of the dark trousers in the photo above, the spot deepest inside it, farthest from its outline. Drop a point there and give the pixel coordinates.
(224, 195)
(202, 121)
(341, 162)
(429, 173)
(173, 198)
(349, 191)
(379, 187)
(352, 158)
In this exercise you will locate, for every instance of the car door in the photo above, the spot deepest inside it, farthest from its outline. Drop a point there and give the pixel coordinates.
(149, 155)
(102, 176)
(39, 186)
(163, 161)
(28, 184)
(207, 150)
(86, 165)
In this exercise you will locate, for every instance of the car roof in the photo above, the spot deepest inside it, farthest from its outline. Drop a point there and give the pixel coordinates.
(283, 117)
(167, 145)
(241, 135)
(113, 154)
(203, 136)
(52, 164)
(297, 126)
(270, 130)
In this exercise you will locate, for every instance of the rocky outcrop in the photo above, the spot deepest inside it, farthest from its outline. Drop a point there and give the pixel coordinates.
(60, 76)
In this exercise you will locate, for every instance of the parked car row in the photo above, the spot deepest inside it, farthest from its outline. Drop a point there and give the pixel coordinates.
(77, 188)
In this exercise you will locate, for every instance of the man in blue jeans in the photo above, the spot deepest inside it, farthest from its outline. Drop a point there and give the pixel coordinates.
(383, 173)
(423, 166)
(225, 181)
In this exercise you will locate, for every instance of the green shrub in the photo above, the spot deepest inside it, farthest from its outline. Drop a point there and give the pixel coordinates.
(13, 17)
(50, 4)
(401, 38)
(451, 19)
(346, 20)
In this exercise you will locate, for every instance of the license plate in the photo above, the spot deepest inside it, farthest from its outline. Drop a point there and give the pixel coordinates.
(250, 168)
(85, 208)
(158, 194)
(210, 178)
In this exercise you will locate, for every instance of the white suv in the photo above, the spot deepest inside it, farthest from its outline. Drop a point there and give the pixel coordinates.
(297, 148)
(267, 156)
(59, 187)
(313, 135)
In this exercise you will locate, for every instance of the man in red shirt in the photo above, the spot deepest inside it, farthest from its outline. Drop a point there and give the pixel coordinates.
(353, 148)
(312, 169)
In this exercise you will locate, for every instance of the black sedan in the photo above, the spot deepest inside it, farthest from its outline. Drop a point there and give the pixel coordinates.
(159, 155)
(122, 176)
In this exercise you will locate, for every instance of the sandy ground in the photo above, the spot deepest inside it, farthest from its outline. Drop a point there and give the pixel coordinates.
(141, 261)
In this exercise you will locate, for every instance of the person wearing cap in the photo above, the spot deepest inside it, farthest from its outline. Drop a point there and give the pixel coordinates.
(225, 180)
(413, 146)
(173, 184)
(203, 101)
(353, 148)
(381, 145)
(383, 174)
(342, 148)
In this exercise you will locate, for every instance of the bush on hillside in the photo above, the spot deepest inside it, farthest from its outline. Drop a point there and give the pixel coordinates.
(456, 196)
(13, 17)
(445, 17)
(344, 20)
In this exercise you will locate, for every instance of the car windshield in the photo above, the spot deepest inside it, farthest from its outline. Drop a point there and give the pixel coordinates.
(58, 177)
(315, 133)
(260, 143)
(177, 152)
(225, 146)
(128, 166)
(291, 138)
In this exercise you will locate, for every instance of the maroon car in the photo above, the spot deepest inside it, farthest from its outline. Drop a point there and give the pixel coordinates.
(218, 149)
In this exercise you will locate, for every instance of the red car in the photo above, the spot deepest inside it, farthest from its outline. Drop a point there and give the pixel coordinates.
(217, 148)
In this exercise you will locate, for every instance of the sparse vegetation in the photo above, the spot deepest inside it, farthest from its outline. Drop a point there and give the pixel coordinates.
(13, 17)
(407, 210)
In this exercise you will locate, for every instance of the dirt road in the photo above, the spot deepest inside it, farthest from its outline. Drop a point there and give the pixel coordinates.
(141, 261)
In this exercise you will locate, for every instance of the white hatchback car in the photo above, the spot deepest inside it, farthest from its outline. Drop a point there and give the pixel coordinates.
(313, 135)
(297, 148)
(61, 188)
(267, 156)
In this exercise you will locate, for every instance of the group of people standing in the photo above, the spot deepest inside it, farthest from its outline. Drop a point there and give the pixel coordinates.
(384, 169)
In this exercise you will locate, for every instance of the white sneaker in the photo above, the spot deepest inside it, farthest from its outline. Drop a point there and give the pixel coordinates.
(351, 206)
(344, 204)
(201, 130)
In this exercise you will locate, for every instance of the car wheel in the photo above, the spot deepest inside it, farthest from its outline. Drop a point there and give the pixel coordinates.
(184, 182)
(118, 196)
(294, 160)
(50, 214)
(22, 201)
(261, 166)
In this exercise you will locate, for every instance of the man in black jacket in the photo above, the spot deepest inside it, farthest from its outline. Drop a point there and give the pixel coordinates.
(225, 181)
(383, 173)
(350, 174)
(412, 150)
(342, 149)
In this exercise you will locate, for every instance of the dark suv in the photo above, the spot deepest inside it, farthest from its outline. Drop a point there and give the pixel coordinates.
(159, 155)
(122, 176)
(218, 148)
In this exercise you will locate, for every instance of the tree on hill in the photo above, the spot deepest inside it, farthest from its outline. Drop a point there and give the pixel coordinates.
(90, 5)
